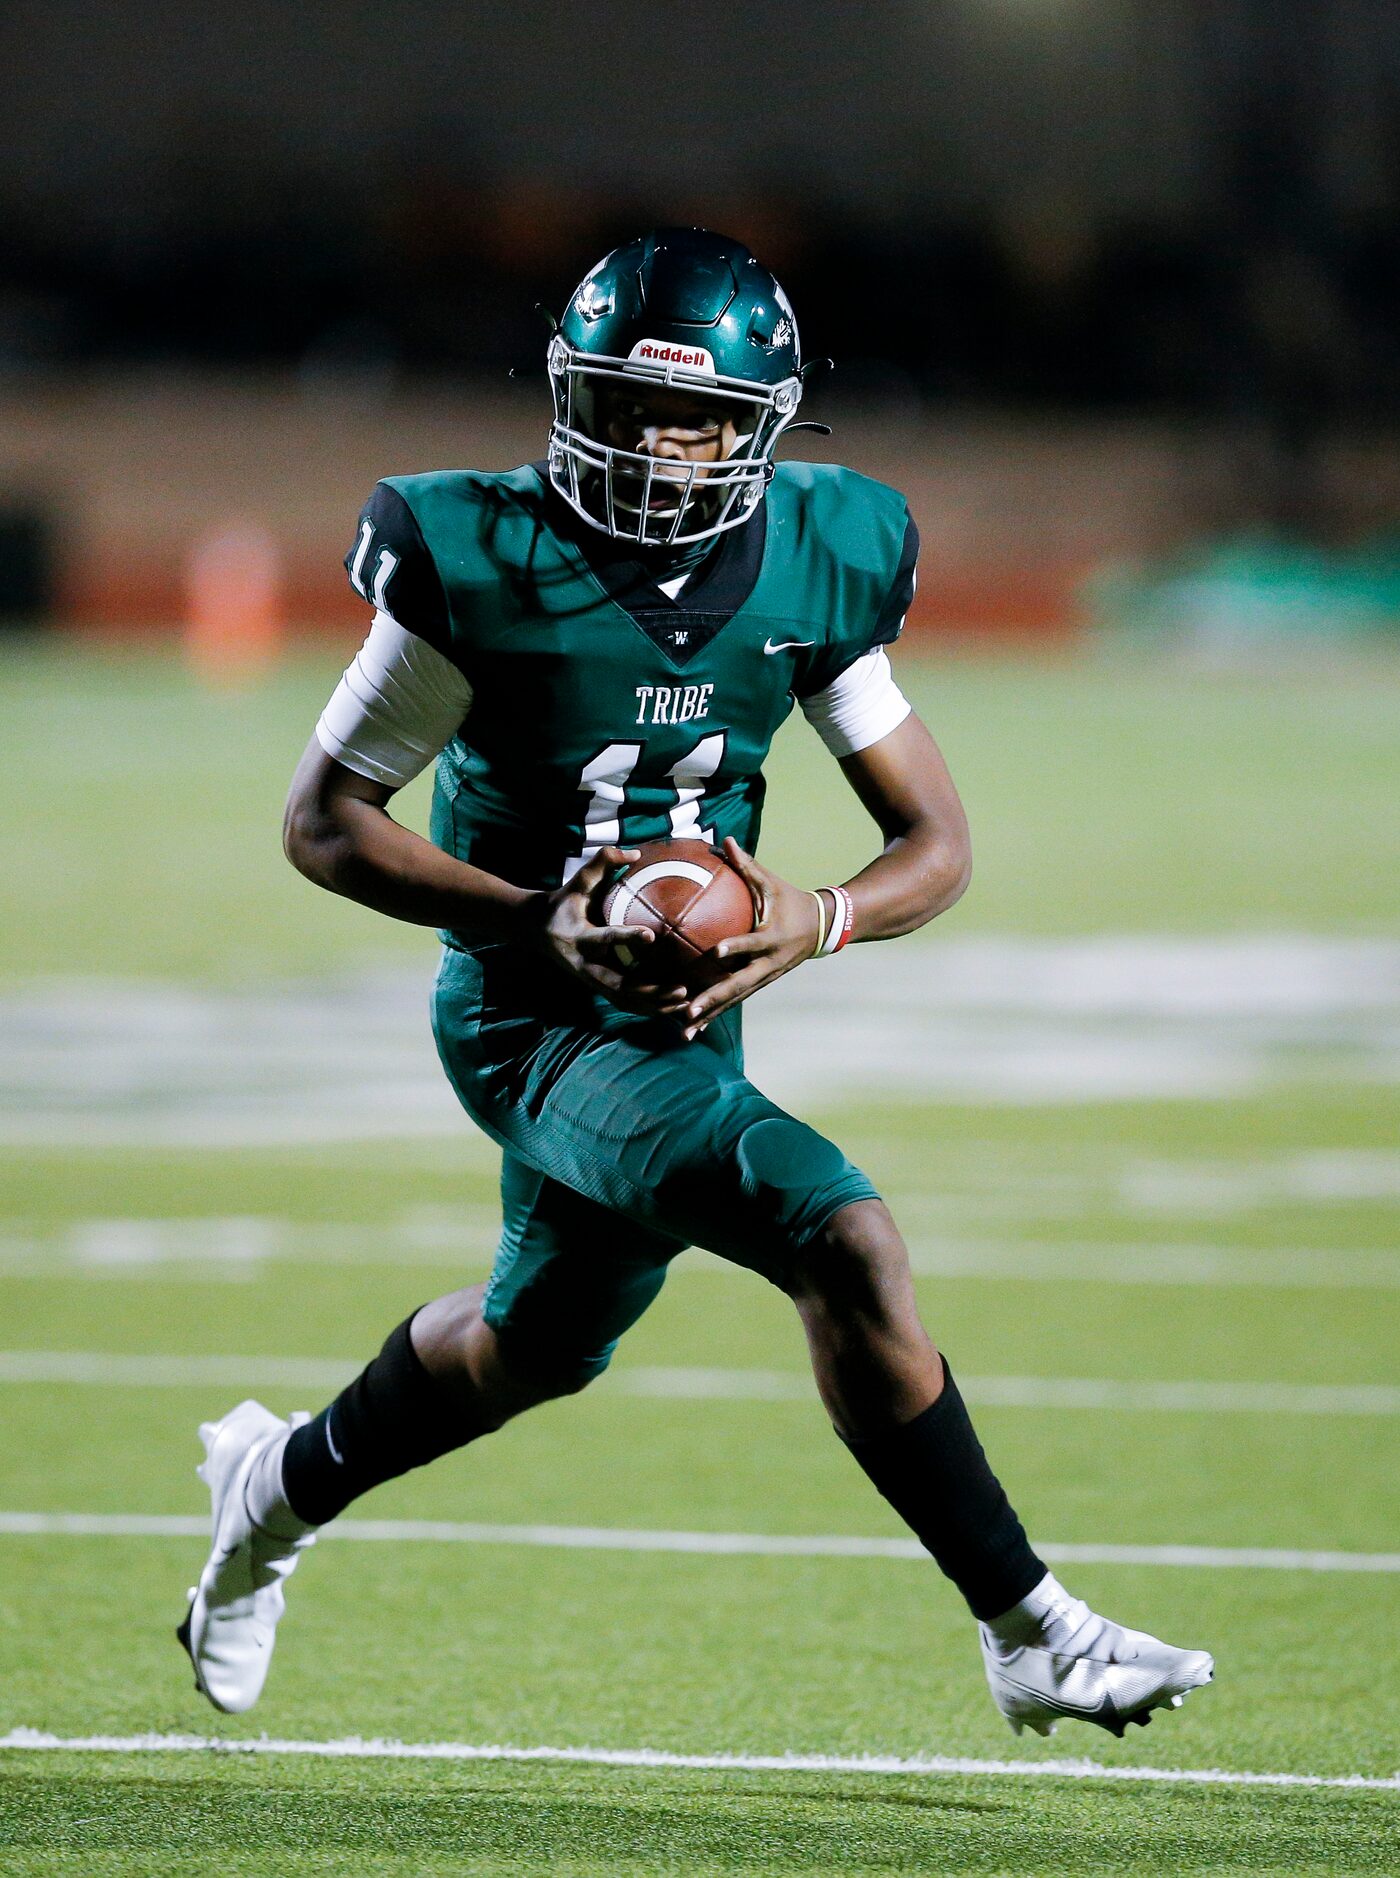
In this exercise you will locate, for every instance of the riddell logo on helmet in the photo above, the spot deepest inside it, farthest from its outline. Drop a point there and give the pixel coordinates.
(662, 352)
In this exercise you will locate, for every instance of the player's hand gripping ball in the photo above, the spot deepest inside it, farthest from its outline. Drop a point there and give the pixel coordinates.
(691, 898)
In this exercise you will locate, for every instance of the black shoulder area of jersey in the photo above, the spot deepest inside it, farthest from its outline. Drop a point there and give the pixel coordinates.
(390, 565)
(890, 619)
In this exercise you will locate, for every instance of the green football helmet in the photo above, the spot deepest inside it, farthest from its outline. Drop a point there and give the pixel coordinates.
(684, 309)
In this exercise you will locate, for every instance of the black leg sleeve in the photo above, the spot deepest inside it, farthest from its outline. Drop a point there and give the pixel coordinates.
(936, 1477)
(393, 1417)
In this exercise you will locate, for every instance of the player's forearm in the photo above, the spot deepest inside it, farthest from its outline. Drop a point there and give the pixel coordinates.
(926, 863)
(356, 849)
(918, 876)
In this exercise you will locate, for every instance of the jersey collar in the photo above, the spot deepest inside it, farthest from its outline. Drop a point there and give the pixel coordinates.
(710, 598)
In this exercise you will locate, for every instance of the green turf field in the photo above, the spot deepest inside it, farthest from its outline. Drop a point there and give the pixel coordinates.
(1157, 1239)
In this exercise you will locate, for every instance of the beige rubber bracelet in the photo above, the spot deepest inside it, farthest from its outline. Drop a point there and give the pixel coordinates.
(821, 922)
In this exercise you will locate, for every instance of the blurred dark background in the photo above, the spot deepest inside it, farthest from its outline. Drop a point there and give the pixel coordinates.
(1013, 218)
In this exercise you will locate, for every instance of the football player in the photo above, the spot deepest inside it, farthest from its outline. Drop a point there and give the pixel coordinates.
(597, 649)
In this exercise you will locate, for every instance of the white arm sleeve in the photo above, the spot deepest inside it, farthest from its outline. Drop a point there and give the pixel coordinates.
(859, 708)
(398, 704)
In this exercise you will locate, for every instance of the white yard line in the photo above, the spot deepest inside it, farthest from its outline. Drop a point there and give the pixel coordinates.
(999, 1261)
(682, 1383)
(1309, 1177)
(463, 1239)
(33, 1740)
(117, 1371)
(710, 1544)
(1154, 1262)
(457, 1237)
(92, 1063)
(1030, 1392)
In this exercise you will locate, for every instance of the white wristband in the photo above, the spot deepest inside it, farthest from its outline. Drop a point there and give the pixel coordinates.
(839, 932)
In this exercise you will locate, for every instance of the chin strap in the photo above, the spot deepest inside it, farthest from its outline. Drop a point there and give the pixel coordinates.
(813, 369)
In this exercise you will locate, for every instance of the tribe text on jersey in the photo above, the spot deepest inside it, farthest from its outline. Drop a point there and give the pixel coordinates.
(604, 711)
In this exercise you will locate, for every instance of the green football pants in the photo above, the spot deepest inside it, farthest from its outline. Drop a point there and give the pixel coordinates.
(623, 1145)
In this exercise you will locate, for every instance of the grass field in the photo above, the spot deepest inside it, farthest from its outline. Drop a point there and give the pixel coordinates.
(1136, 1103)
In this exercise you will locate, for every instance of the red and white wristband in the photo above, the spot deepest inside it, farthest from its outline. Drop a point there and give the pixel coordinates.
(837, 932)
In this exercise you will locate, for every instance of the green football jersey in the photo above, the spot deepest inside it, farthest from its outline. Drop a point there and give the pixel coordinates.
(603, 710)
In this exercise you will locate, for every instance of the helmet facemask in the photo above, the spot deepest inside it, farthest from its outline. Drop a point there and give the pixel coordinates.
(614, 489)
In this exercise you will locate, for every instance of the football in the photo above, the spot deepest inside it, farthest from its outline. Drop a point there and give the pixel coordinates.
(691, 898)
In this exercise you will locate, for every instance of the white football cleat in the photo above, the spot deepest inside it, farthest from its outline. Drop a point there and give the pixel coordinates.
(1084, 1668)
(234, 1609)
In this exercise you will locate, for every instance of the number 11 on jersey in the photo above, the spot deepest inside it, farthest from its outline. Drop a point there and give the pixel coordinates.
(605, 778)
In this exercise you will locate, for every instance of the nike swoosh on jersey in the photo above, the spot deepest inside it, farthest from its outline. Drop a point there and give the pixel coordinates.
(787, 645)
